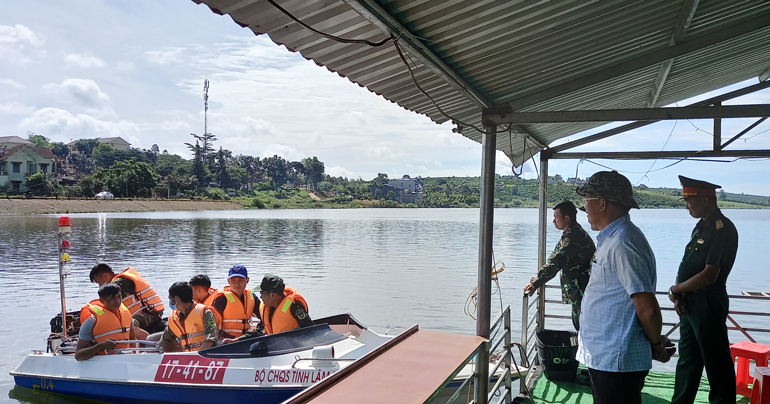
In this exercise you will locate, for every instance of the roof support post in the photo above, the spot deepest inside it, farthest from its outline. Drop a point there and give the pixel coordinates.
(542, 231)
(484, 293)
(717, 131)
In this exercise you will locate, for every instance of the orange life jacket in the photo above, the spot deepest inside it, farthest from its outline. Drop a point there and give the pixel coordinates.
(192, 332)
(283, 319)
(235, 319)
(109, 324)
(213, 295)
(144, 295)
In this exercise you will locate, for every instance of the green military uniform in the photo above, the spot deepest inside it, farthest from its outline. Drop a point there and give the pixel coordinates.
(572, 256)
(703, 332)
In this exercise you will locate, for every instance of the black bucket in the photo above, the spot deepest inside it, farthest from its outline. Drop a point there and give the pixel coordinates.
(557, 350)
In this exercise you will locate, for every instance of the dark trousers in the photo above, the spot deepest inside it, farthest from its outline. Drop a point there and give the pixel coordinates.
(617, 387)
(703, 343)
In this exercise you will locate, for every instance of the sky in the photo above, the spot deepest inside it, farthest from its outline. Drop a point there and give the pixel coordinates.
(74, 69)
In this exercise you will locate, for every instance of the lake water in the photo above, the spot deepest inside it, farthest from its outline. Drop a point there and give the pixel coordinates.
(388, 267)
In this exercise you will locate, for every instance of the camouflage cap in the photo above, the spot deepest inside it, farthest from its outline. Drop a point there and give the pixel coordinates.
(610, 185)
(271, 283)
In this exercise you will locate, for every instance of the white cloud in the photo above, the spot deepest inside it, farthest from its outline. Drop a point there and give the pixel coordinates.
(19, 44)
(85, 93)
(83, 61)
(164, 56)
(61, 125)
(12, 83)
(338, 171)
(125, 66)
(287, 152)
(15, 108)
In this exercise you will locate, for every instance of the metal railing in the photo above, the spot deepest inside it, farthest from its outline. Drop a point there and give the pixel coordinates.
(500, 344)
(532, 322)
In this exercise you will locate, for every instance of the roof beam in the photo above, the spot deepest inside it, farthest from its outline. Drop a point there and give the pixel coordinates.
(661, 155)
(625, 128)
(638, 114)
(567, 86)
(680, 29)
(764, 75)
(375, 14)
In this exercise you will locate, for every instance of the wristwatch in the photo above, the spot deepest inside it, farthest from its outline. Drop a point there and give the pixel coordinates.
(671, 293)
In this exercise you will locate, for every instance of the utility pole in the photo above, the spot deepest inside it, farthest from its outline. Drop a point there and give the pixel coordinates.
(205, 117)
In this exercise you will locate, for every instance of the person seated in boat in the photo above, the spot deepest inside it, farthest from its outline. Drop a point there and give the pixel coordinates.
(202, 290)
(237, 304)
(104, 322)
(191, 326)
(282, 309)
(140, 298)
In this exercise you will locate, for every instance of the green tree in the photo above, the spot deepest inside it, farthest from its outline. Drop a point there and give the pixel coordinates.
(199, 169)
(40, 184)
(86, 145)
(314, 170)
(130, 178)
(276, 169)
(38, 140)
(60, 149)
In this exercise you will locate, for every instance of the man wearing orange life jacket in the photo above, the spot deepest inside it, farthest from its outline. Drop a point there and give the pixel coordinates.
(282, 309)
(237, 304)
(193, 324)
(202, 290)
(104, 322)
(139, 297)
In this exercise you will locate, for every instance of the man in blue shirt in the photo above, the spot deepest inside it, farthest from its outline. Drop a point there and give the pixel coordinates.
(621, 320)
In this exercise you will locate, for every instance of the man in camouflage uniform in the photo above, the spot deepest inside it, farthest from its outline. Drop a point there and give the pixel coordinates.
(572, 256)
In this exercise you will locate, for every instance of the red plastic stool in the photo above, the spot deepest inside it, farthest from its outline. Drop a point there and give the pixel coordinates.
(745, 351)
(761, 380)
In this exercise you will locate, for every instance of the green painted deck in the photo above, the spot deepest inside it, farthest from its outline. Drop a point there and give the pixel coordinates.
(658, 389)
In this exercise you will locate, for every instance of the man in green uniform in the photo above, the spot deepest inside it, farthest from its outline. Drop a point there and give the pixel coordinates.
(700, 298)
(572, 256)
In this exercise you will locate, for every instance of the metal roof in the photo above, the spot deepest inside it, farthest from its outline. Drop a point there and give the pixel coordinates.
(469, 55)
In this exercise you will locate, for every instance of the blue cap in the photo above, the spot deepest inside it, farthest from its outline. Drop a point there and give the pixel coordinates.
(238, 270)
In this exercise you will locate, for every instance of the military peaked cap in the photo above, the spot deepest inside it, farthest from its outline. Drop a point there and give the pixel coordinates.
(691, 187)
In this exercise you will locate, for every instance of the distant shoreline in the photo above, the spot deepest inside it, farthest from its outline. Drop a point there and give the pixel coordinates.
(41, 206)
(47, 206)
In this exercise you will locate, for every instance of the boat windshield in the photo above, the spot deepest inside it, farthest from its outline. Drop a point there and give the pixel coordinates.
(300, 339)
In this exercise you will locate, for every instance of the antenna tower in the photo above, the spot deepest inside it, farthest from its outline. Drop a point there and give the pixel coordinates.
(205, 117)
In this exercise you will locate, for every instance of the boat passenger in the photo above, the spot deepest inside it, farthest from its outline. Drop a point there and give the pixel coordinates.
(202, 290)
(700, 298)
(139, 297)
(237, 304)
(620, 324)
(572, 256)
(104, 322)
(282, 309)
(193, 324)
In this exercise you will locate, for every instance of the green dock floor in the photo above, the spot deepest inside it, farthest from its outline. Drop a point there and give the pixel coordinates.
(658, 389)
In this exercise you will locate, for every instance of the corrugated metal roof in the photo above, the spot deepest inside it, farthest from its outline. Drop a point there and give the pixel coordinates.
(505, 50)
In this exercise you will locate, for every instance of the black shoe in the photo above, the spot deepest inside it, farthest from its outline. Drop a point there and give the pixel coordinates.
(583, 381)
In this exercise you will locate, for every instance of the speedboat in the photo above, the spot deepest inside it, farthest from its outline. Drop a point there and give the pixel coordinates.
(268, 369)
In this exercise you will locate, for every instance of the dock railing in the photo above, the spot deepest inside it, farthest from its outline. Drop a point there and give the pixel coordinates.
(500, 345)
(533, 320)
